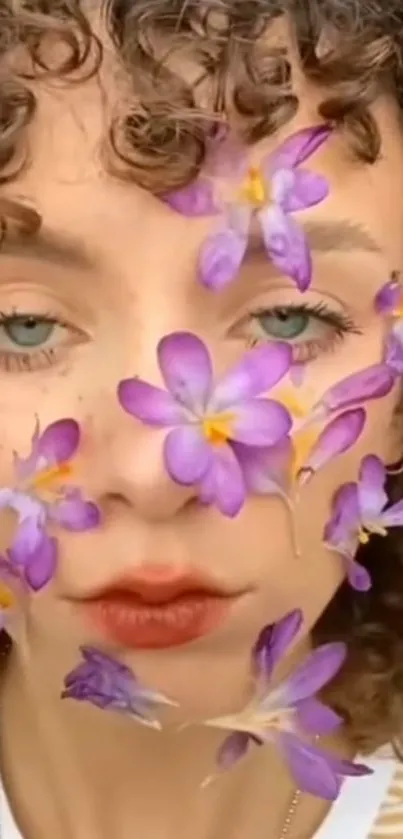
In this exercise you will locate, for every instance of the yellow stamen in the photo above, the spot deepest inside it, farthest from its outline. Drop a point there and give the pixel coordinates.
(366, 533)
(6, 598)
(303, 443)
(255, 189)
(217, 430)
(293, 403)
(45, 479)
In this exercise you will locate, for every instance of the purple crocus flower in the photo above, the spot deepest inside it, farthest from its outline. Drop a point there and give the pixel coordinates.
(286, 715)
(358, 511)
(110, 685)
(268, 192)
(205, 419)
(41, 498)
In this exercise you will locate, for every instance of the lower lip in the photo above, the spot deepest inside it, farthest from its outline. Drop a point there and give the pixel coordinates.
(131, 622)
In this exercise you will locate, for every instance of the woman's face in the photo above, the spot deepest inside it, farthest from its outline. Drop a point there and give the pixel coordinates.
(124, 276)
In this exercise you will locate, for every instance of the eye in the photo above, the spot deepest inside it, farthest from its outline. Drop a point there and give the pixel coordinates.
(310, 329)
(284, 324)
(27, 331)
(32, 341)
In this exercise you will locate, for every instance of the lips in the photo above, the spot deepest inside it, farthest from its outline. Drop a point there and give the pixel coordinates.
(158, 607)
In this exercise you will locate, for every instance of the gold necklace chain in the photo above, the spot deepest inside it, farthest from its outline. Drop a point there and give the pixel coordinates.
(289, 819)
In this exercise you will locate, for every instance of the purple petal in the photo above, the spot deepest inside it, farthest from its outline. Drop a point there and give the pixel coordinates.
(108, 684)
(187, 455)
(388, 298)
(274, 641)
(309, 767)
(74, 513)
(347, 768)
(372, 497)
(233, 748)
(28, 537)
(394, 352)
(41, 565)
(224, 484)
(96, 656)
(314, 770)
(266, 470)
(315, 672)
(286, 245)
(338, 436)
(358, 576)
(187, 369)
(258, 371)
(316, 718)
(55, 445)
(59, 442)
(345, 519)
(260, 422)
(297, 189)
(372, 383)
(197, 199)
(220, 258)
(26, 506)
(151, 405)
(393, 517)
(299, 147)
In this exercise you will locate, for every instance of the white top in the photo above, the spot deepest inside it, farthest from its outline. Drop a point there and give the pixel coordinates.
(367, 808)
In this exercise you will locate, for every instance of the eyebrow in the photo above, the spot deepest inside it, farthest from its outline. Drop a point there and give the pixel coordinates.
(327, 236)
(60, 248)
(49, 246)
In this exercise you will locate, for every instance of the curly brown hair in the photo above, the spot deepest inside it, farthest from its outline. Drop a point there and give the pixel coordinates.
(352, 50)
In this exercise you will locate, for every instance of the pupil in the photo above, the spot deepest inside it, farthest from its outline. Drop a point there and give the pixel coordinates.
(28, 331)
(285, 324)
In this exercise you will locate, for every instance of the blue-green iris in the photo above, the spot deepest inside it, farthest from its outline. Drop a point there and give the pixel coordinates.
(284, 324)
(28, 331)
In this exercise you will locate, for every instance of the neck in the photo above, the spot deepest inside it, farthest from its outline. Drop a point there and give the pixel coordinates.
(109, 777)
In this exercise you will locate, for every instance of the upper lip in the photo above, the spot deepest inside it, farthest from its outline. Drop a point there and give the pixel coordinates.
(160, 586)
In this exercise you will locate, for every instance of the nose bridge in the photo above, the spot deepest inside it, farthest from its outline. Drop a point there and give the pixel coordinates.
(149, 255)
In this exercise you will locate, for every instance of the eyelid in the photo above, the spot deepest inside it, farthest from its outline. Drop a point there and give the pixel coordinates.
(45, 314)
(19, 295)
(29, 360)
(336, 325)
(320, 311)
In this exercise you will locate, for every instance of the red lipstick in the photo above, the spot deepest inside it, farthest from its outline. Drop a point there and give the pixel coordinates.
(158, 607)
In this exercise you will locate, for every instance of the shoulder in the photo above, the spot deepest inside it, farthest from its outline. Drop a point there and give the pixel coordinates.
(389, 822)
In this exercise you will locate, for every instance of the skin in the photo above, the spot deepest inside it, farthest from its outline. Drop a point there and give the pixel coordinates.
(104, 773)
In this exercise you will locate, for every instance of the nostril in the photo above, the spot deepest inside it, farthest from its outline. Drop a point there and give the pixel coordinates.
(115, 499)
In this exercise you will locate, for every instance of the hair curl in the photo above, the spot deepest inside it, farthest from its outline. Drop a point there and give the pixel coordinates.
(351, 49)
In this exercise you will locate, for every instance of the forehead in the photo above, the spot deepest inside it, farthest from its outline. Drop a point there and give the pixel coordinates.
(74, 182)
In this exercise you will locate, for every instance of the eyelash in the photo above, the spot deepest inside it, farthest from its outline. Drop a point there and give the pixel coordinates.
(342, 324)
(39, 359)
(304, 352)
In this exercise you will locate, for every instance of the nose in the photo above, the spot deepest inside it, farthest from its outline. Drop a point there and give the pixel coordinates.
(128, 467)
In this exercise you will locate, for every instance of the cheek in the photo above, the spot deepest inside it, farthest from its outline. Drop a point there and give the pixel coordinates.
(307, 580)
